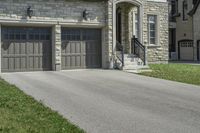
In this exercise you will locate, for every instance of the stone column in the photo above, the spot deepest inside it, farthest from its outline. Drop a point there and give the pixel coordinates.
(110, 40)
(56, 48)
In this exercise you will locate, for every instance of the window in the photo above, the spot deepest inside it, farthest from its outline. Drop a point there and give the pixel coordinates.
(185, 10)
(136, 25)
(152, 23)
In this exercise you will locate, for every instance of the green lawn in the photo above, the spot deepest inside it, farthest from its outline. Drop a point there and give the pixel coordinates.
(177, 72)
(20, 113)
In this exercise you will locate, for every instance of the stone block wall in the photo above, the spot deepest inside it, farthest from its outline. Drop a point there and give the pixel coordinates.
(157, 53)
(53, 10)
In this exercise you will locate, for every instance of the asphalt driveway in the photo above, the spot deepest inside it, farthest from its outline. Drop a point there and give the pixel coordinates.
(105, 101)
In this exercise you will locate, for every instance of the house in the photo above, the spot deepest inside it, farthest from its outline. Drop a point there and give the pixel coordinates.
(184, 31)
(41, 35)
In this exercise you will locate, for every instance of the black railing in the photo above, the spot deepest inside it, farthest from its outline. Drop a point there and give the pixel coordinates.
(138, 49)
(120, 48)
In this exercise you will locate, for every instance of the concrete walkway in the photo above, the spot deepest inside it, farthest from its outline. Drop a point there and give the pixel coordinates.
(105, 101)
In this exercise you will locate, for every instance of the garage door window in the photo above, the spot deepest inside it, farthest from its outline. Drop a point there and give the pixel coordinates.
(14, 34)
(71, 35)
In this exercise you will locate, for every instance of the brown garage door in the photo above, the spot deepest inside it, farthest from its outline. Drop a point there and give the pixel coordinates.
(26, 49)
(81, 48)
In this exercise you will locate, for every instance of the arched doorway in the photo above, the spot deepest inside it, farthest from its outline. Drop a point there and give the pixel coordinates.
(127, 22)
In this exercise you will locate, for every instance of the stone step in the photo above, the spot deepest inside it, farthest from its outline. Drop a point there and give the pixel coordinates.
(129, 56)
(135, 67)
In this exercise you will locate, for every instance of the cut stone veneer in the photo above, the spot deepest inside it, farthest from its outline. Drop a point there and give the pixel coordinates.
(57, 47)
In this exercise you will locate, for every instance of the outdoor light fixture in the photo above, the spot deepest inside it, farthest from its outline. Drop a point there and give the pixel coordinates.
(85, 14)
(29, 12)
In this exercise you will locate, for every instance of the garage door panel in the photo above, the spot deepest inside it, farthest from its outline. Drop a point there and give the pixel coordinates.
(83, 46)
(11, 48)
(23, 48)
(5, 63)
(73, 61)
(4, 48)
(11, 63)
(17, 63)
(23, 63)
(73, 47)
(31, 62)
(27, 49)
(78, 60)
(36, 47)
(83, 60)
(17, 48)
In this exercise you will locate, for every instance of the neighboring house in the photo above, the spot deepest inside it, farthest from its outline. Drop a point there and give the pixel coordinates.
(184, 31)
(39, 35)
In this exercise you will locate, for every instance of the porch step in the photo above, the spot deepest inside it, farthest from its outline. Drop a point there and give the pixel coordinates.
(131, 63)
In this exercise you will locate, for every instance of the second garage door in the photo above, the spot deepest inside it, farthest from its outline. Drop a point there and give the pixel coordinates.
(26, 49)
(186, 50)
(81, 48)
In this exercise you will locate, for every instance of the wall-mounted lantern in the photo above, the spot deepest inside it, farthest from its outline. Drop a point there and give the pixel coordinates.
(85, 14)
(29, 12)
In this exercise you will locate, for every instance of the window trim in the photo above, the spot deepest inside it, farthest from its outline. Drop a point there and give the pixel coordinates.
(156, 29)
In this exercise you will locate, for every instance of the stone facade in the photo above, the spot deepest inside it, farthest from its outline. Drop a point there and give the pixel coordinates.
(61, 13)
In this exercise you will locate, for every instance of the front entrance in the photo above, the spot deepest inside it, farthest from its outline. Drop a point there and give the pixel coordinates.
(127, 24)
(26, 49)
(81, 48)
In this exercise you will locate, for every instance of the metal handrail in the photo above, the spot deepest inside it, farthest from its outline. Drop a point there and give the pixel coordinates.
(138, 49)
(120, 47)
